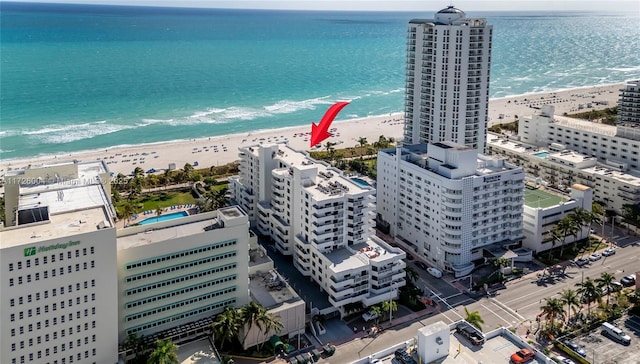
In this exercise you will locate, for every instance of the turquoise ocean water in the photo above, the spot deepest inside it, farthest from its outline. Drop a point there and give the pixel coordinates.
(78, 77)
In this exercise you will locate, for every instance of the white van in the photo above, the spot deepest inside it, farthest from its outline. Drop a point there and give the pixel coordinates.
(615, 333)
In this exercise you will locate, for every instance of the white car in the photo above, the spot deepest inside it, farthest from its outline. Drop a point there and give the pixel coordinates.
(595, 256)
(368, 316)
(435, 272)
(375, 361)
(608, 252)
(563, 360)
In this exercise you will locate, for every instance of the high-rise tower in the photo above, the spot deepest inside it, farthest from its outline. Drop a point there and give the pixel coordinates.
(447, 80)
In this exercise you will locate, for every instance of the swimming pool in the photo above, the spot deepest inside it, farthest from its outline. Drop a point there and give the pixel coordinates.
(167, 217)
(541, 154)
(360, 182)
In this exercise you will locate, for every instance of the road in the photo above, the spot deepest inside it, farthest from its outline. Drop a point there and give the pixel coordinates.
(517, 304)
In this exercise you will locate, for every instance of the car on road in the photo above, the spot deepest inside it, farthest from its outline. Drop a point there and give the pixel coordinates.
(608, 252)
(580, 262)
(375, 361)
(435, 272)
(470, 333)
(563, 360)
(592, 231)
(421, 265)
(629, 280)
(368, 316)
(576, 348)
(595, 256)
(522, 356)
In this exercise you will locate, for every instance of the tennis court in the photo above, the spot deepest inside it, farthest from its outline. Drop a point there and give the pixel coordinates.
(534, 197)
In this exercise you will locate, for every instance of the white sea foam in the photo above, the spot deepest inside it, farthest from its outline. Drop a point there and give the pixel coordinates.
(625, 69)
(69, 133)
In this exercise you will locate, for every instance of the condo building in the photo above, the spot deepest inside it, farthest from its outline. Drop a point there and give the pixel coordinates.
(59, 285)
(183, 270)
(603, 142)
(629, 110)
(561, 169)
(447, 79)
(323, 219)
(447, 202)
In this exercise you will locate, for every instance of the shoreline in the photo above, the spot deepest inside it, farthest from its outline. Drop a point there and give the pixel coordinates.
(218, 150)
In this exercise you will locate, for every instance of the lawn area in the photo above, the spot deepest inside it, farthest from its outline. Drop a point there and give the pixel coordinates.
(162, 200)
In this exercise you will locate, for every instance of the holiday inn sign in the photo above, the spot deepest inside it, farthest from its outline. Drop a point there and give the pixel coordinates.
(32, 250)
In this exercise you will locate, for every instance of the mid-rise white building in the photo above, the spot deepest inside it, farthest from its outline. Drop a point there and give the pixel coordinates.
(447, 79)
(601, 141)
(325, 220)
(446, 202)
(543, 209)
(182, 270)
(58, 266)
(561, 169)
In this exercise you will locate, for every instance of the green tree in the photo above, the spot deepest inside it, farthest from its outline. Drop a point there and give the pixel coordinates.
(252, 314)
(552, 310)
(226, 327)
(388, 307)
(270, 323)
(362, 142)
(473, 318)
(164, 353)
(571, 299)
(378, 311)
(128, 209)
(599, 213)
(567, 226)
(411, 273)
(589, 291)
(606, 280)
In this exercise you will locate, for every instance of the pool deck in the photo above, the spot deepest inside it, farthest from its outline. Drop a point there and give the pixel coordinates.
(189, 208)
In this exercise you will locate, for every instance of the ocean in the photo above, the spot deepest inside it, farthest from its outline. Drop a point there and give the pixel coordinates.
(81, 77)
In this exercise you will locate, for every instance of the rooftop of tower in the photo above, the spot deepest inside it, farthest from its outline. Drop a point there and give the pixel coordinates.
(450, 16)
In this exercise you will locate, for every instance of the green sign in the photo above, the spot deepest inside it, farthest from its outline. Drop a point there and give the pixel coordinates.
(29, 251)
(32, 251)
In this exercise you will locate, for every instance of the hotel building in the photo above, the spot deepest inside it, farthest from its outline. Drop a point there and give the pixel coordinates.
(59, 285)
(561, 169)
(447, 202)
(447, 79)
(321, 218)
(182, 270)
(629, 109)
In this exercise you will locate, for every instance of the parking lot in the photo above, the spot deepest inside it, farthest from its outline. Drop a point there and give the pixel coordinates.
(603, 350)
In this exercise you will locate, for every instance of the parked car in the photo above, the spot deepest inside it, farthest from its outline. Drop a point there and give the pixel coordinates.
(563, 360)
(421, 265)
(615, 333)
(470, 333)
(522, 356)
(581, 262)
(629, 280)
(595, 256)
(616, 286)
(435, 272)
(609, 252)
(368, 316)
(329, 349)
(403, 357)
(576, 348)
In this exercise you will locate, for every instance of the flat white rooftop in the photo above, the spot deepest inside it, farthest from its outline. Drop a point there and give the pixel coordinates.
(154, 233)
(56, 211)
(608, 130)
(360, 255)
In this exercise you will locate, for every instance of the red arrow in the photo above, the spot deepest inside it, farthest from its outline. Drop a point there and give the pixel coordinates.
(319, 132)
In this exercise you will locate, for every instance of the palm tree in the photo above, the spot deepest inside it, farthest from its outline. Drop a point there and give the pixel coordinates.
(270, 323)
(164, 353)
(378, 311)
(589, 291)
(251, 314)
(606, 280)
(474, 318)
(362, 142)
(158, 213)
(553, 309)
(599, 212)
(570, 298)
(127, 211)
(567, 226)
(411, 273)
(555, 237)
(227, 325)
(388, 307)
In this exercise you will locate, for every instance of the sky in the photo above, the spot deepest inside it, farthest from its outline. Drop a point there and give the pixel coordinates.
(631, 6)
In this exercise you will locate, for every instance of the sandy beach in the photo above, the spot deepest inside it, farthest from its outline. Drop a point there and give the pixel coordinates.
(211, 151)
